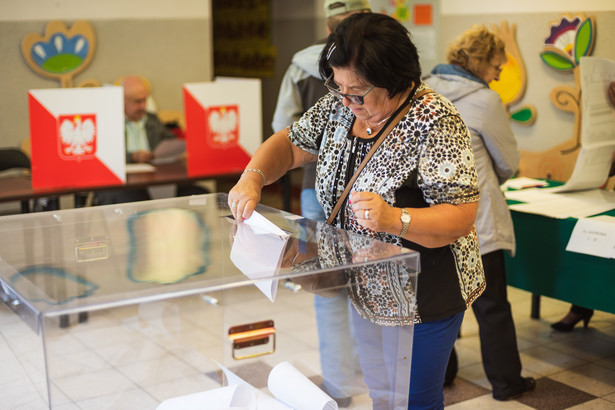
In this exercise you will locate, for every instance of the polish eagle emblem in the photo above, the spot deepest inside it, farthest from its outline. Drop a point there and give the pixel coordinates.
(77, 135)
(224, 125)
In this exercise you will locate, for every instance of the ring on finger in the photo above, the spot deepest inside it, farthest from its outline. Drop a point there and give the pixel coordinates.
(366, 214)
(233, 204)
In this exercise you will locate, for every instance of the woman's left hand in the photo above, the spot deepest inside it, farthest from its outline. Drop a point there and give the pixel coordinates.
(373, 212)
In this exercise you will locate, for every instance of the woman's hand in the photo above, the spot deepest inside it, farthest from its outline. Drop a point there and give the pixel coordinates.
(245, 195)
(373, 212)
(431, 227)
(141, 156)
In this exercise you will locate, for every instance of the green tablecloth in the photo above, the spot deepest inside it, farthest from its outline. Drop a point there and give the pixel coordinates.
(542, 265)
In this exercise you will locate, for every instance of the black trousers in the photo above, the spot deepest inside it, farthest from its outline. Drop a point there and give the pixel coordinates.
(498, 338)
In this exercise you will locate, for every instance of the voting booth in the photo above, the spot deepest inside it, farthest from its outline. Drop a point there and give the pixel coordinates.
(223, 124)
(170, 304)
(77, 137)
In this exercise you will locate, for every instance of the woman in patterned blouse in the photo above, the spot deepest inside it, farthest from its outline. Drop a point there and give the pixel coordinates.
(424, 168)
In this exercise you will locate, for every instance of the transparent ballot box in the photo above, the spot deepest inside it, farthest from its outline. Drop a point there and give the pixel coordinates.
(171, 304)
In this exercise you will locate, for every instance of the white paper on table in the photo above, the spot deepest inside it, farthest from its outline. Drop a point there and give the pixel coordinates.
(524, 183)
(579, 204)
(139, 167)
(531, 195)
(169, 150)
(257, 399)
(292, 387)
(591, 169)
(257, 251)
(215, 399)
(593, 236)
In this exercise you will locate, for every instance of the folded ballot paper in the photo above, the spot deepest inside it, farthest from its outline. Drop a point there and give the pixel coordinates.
(291, 390)
(257, 251)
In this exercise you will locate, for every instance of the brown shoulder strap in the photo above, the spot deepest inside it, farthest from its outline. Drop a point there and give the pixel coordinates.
(371, 152)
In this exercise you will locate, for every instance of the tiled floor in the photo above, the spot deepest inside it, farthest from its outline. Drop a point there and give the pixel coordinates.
(573, 370)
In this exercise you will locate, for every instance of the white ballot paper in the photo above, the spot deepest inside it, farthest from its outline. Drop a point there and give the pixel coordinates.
(594, 236)
(291, 388)
(136, 168)
(523, 183)
(598, 134)
(591, 169)
(257, 251)
(579, 204)
(221, 398)
(169, 150)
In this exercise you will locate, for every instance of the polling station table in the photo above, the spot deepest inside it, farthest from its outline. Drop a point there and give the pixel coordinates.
(170, 304)
(543, 266)
(19, 187)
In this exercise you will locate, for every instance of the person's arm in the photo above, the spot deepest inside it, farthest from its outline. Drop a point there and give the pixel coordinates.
(436, 226)
(499, 139)
(448, 181)
(139, 157)
(156, 131)
(289, 107)
(273, 159)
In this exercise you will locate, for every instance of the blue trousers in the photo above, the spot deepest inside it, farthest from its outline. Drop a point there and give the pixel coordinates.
(433, 343)
(386, 370)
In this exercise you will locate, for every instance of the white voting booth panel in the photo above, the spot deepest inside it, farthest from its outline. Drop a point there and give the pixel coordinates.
(77, 137)
(170, 304)
(223, 124)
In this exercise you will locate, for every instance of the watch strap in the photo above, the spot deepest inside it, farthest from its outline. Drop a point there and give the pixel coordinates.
(404, 225)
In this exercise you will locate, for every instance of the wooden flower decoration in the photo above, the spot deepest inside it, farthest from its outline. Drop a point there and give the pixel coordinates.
(569, 39)
(513, 79)
(61, 53)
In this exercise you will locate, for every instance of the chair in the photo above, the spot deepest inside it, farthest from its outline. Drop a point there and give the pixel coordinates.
(14, 158)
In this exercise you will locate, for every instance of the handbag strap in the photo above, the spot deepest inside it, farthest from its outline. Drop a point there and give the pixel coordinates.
(392, 124)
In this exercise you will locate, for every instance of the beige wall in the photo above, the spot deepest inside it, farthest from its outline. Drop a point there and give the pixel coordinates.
(170, 43)
(169, 51)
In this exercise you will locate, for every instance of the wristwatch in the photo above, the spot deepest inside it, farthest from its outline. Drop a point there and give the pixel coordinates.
(405, 222)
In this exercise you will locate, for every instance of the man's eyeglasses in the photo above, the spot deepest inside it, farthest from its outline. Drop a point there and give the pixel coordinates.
(355, 99)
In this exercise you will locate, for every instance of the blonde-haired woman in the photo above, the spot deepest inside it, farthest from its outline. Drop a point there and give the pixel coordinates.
(474, 60)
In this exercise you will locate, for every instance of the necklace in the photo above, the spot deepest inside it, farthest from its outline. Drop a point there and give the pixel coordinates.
(369, 130)
(369, 126)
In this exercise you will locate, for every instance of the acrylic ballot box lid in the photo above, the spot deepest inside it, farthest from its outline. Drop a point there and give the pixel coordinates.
(172, 304)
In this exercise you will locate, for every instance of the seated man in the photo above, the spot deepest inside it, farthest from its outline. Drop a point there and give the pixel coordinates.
(144, 132)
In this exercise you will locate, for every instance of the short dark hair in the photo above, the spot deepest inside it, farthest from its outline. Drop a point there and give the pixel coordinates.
(377, 47)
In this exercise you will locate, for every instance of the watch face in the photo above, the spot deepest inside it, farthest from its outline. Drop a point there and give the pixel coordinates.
(405, 217)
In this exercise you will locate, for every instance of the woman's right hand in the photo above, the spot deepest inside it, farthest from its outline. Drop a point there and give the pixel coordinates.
(245, 195)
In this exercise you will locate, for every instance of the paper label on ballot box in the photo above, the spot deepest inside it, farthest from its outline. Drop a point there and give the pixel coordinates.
(77, 137)
(223, 125)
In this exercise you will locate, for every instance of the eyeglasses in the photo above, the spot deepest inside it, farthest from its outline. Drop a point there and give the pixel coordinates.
(355, 99)
(498, 68)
